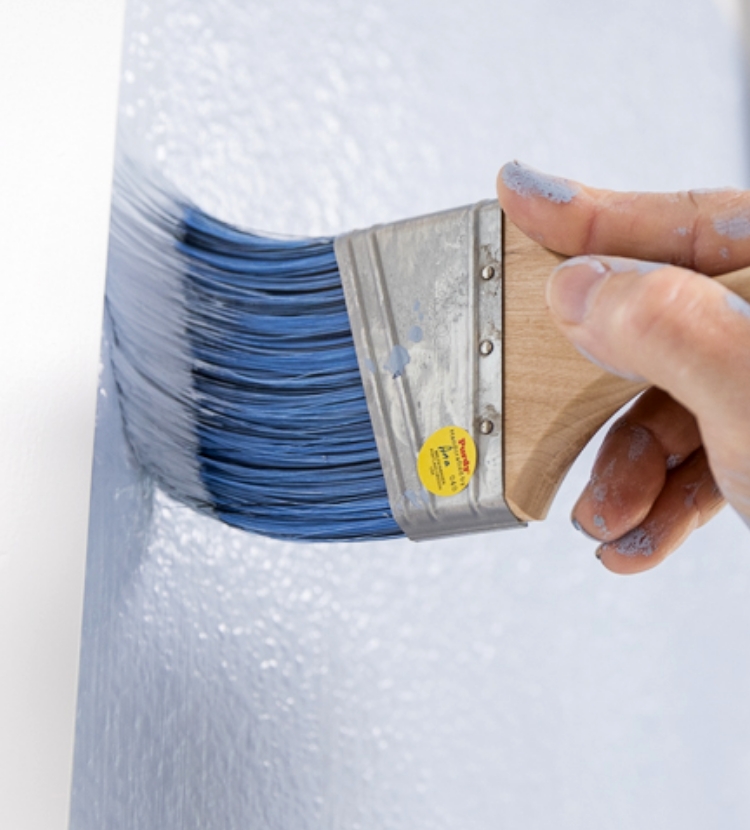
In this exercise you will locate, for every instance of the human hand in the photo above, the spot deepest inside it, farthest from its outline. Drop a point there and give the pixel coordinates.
(668, 464)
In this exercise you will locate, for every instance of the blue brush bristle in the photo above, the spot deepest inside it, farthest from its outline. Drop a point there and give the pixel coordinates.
(272, 432)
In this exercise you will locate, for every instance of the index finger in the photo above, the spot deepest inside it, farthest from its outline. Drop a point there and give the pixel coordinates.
(705, 230)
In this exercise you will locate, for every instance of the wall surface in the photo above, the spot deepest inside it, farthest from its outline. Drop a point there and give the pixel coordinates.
(507, 680)
(59, 70)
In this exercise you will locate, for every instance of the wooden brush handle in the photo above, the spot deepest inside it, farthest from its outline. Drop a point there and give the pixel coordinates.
(554, 399)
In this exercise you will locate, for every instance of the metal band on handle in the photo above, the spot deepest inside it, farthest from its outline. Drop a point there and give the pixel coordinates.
(424, 298)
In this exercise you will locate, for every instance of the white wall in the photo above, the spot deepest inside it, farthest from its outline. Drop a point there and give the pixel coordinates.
(59, 67)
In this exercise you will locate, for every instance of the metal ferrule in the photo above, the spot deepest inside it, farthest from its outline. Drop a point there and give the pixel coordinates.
(424, 298)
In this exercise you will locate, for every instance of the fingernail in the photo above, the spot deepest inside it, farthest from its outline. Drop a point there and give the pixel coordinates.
(577, 525)
(526, 181)
(572, 286)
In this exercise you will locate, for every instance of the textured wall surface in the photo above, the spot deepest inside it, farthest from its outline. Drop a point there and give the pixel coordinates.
(506, 680)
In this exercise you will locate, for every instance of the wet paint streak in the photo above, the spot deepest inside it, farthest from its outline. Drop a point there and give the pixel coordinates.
(525, 181)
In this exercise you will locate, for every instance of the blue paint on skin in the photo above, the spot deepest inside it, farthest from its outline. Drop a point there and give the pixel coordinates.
(612, 264)
(397, 361)
(623, 265)
(636, 543)
(639, 441)
(529, 182)
(415, 334)
(739, 305)
(733, 227)
(577, 525)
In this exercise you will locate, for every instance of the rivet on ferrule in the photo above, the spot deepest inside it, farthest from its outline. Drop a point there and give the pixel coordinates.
(488, 272)
(486, 347)
(486, 427)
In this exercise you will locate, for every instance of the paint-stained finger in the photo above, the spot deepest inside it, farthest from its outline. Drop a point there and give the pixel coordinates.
(652, 438)
(688, 500)
(706, 230)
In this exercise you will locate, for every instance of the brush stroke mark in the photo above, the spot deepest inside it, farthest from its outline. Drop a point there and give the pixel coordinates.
(397, 361)
(525, 181)
(736, 303)
(733, 227)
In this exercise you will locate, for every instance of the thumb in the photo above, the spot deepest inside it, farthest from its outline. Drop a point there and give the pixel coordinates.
(682, 332)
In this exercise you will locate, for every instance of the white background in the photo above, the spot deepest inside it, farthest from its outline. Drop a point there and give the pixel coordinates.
(59, 67)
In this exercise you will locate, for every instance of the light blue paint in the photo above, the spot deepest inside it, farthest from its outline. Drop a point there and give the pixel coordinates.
(636, 543)
(577, 525)
(370, 364)
(416, 334)
(640, 439)
(601, 523)
(397, 361)
(529, 182)
(733, 227)
(736, 303)
(682, 231)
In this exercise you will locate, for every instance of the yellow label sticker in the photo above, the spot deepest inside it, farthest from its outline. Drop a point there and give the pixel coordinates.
(447, 461)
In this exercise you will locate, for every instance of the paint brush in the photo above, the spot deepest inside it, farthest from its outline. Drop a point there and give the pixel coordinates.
(401, 380)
